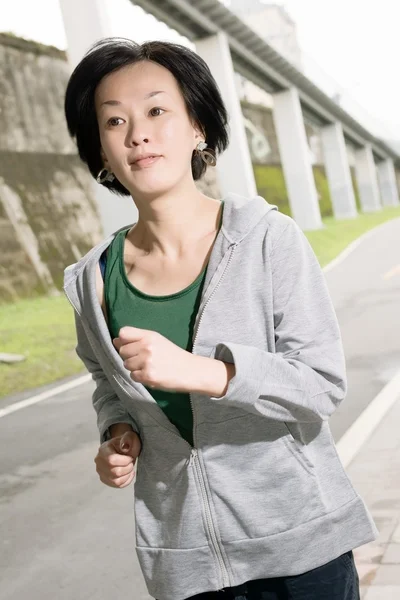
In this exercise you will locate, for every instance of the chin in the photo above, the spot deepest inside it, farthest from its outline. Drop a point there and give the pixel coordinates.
(150, 193)
(152, 190)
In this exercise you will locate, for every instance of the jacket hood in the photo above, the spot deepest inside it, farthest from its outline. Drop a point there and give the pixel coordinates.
(261, 493)
(240, 217)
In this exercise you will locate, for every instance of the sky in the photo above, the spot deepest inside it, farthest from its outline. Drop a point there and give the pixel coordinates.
(358, 44)
(352, 45)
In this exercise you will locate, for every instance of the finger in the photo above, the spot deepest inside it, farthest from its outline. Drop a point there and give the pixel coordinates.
(109, 448)
(131, 334)
(120, 342)
(130, 350)
(129, 481)
(117, 472)
(106, 481)
(130, 445)
(123, 481)
(114, 460)
(139, 376)
(136, 363)
(119, 460)
(114, 473)
(117, 343)
(146, 378)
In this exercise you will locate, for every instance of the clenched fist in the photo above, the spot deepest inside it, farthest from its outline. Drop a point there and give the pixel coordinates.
(116, 458)
(154, 361)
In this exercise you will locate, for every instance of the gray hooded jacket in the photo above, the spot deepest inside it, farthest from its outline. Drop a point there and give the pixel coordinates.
(262, 493)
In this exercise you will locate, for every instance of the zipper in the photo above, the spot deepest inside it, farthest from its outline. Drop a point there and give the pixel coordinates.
(88, 332)
(128, 383)
(194, 462)
(194, 456)
(166, 428)
(72, 303)
(89, 335)
(233, 248)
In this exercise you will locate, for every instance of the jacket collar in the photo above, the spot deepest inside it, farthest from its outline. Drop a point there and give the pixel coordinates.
(240, 216)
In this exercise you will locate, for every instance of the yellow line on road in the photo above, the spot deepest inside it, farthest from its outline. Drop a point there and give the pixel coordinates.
(392, 272)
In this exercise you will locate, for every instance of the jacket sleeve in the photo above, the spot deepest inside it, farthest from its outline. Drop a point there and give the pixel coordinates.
(304, 380)
(106, 403)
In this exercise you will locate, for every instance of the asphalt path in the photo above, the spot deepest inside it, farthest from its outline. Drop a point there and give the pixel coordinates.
(64, 535)
(365, 290)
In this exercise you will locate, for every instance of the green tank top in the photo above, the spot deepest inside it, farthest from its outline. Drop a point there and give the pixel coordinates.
(172, 316)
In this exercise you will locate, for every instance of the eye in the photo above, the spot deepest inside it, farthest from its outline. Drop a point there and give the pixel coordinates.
(114, 121)
(156, 111)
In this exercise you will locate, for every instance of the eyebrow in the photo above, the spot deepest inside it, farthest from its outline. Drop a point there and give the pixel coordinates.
(151, 94)
(117, 103)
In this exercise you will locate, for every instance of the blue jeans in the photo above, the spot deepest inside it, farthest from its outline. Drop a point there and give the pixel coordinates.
(337, 580)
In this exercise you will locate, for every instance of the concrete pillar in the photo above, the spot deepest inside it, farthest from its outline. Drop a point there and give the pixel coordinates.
(367, 181)
(397, 175)
(296, 161)
(338, 172)
(85, 23)
(234, 167)
(387, 183)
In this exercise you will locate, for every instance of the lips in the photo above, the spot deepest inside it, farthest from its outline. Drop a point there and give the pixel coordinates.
(145, 160)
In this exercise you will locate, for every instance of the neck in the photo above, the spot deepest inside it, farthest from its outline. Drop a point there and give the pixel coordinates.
(172, 223)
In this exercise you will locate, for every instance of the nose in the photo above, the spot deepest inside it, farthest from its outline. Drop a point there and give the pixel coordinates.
(139, 141)
(136, 136)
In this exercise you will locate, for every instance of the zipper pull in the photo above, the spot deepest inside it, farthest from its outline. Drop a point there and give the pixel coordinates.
(193, 456)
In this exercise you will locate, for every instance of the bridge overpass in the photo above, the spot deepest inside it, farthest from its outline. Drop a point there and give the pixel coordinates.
(228, 45)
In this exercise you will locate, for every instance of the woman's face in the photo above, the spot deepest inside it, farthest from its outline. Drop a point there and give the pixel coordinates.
(141, 112)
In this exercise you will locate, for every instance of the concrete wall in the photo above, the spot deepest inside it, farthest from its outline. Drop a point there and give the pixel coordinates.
(263, 127)
(48, 216)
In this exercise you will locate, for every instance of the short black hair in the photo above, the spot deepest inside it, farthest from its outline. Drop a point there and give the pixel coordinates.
(199, 89)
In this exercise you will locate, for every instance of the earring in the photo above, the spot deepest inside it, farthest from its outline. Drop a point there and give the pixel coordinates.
(105, 175)
(207, 156)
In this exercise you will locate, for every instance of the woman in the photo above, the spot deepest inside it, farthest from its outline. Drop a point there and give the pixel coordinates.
(214, 346)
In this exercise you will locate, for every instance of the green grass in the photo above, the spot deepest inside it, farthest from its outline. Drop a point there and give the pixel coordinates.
(271, 185)
(329, 242)
(43, 330)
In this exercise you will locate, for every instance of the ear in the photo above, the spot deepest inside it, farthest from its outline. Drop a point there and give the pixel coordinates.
(198, 134)
(104, 158)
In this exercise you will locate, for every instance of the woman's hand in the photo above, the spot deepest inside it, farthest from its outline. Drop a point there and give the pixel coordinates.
(157, 363)
(116, 458)
(153, 360)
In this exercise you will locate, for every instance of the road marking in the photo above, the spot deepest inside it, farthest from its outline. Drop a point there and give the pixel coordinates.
(11, 408)
(358, 433)
(350, 443)
(392, 272)
(350, 249)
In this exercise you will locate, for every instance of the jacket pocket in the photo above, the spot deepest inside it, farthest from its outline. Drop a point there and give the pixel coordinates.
(260, 479)
(298, 450)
